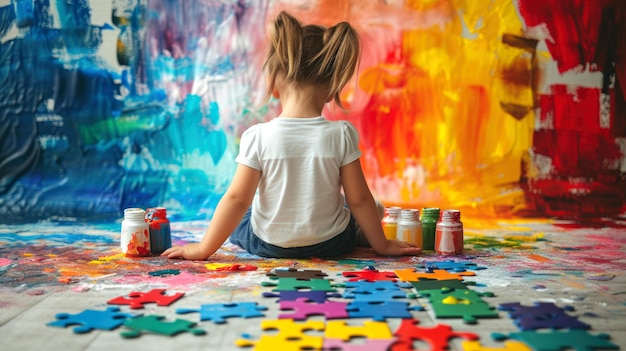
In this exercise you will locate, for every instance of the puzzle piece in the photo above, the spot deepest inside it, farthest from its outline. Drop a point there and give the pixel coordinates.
(452, 266)
(437, 337)
(293, 284)
(370, 275)
(313, 296)
(369, 345)
(377, 295)
(156, 325)
(366, 286)
(542, 315)
(303, 309)
(218, 312)
(370, 330)
(137, 300)
(434, 284)
(380, 311)
(556, 340)
(89, 320)
(291, 336)
(295, 273)
(460, 303)
(508, 346)
(410, 275)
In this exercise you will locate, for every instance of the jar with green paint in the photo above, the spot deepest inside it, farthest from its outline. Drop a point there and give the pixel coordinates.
(429, 218)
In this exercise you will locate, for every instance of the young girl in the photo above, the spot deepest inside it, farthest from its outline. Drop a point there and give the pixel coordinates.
(285, 198)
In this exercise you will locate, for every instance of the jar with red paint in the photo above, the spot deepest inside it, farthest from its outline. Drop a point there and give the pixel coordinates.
(160, 232)
(449, 233)
(135, 241)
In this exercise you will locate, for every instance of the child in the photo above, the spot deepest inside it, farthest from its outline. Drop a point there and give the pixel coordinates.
(287, 186)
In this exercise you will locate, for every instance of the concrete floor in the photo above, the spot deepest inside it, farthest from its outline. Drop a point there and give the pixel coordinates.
(51, 268)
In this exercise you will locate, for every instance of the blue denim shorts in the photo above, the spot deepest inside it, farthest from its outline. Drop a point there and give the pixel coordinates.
(336, 246)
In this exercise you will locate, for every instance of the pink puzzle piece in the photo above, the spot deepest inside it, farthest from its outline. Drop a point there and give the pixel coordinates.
(303, 309)
(136, 299)
(368, 345)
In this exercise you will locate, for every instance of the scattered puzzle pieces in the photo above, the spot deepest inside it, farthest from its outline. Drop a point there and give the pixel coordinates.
(410, 275)
(303, 309)
(156, 325)
(293, 284)
(542, 315)
(218, 312)
(575, 339)
(89, 320)
(370, 275)
(437, 337)
(460, 303)
(136, 300)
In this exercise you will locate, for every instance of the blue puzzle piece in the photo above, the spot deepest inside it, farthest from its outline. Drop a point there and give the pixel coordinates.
(218, 312)
(380, 311)
(452, 266)
(574, 339)
(542, 315)
(313, 296)
(367, 286)
(89, 320)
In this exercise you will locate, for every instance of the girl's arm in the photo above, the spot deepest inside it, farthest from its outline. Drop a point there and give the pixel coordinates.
(228, 214)
(363, 208)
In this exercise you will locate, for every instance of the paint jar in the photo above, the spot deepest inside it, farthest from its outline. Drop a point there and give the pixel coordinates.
(429, 219)
(449, 233)
(410, 227)
(390, 221)
(135, 241)
(160, 232)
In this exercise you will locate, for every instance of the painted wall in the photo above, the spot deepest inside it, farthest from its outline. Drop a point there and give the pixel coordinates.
(500, 108)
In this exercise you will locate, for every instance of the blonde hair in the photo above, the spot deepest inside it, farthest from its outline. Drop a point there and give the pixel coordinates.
(312, 54)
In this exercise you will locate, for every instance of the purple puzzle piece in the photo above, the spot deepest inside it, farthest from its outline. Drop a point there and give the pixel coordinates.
(542, 315)
(313, 296)
(303, 309)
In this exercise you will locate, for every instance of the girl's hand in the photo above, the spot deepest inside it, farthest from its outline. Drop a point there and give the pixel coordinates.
(399, 248)
(189, 252)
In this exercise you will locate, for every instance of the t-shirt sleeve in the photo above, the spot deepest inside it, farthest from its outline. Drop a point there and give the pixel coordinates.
(248, 148)
(351, 144)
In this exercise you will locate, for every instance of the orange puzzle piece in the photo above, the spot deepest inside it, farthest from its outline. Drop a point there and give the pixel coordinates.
(410, 275)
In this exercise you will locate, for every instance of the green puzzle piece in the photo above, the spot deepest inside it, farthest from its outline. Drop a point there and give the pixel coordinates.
(460, 303)
(556, 340)
(294, 284)
(155, 324)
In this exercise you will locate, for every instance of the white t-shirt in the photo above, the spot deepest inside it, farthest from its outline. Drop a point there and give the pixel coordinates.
(298, 200)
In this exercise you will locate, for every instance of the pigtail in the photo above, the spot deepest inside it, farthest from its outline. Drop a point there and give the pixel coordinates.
(285, 53)
(339, 57)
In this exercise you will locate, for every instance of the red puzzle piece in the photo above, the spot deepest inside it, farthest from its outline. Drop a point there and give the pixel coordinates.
(437, 337)
(370, 276)
(136, 299)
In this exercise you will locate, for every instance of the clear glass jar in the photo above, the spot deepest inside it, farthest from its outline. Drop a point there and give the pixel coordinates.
(160, 231)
